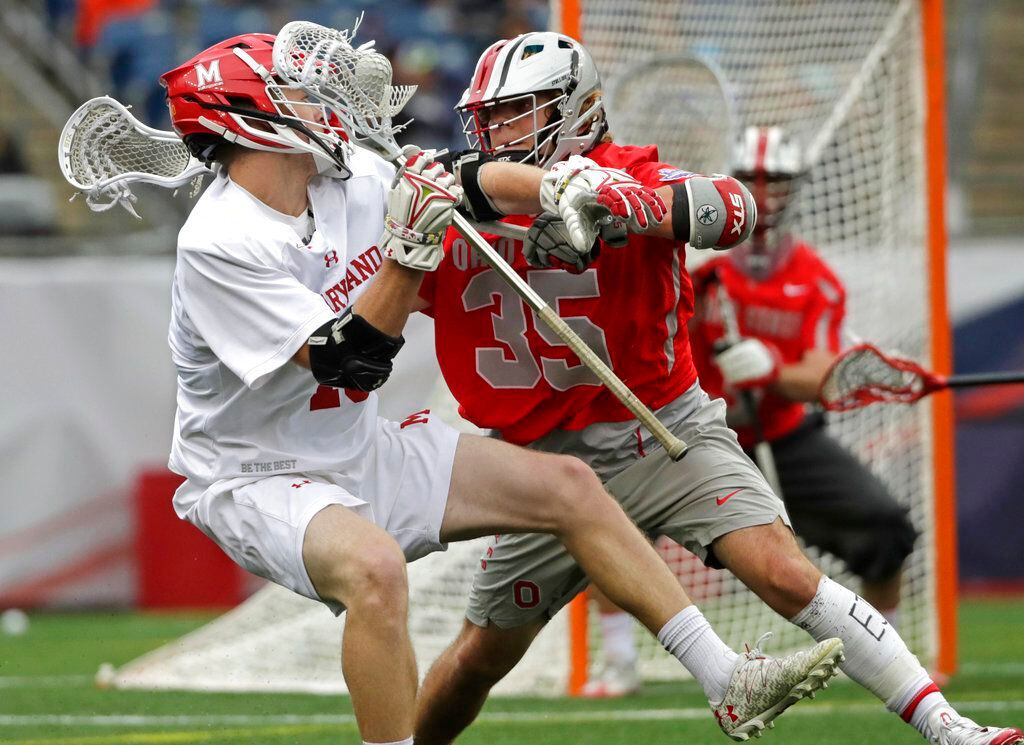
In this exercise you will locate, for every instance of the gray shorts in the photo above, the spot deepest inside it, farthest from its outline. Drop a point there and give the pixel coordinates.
(715, 489)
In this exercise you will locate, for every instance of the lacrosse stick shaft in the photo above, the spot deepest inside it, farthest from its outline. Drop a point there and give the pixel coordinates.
(675, 447)
(971, 379)
(762, 448)
(503, 229)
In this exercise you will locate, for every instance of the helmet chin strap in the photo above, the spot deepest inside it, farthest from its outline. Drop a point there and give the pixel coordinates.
(330, 168)
(326, 158)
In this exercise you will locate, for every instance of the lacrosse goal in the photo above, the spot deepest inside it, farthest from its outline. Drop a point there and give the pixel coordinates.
(860, 86)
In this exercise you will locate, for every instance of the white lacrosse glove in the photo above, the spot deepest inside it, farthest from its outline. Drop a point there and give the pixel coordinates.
(421, 205)
(587, 197)
(569, 190)
(749, 363)
(547, 244)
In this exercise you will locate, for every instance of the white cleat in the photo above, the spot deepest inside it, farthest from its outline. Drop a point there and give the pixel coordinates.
(950, 730)
(614, 680)
(763, 687)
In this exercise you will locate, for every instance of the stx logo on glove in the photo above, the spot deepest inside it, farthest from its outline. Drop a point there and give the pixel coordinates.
(739, 216)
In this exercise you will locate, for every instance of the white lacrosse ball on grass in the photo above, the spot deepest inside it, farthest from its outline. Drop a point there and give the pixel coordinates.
(14, 622)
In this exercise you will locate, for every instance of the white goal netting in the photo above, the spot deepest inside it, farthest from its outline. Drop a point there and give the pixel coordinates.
(846, 80)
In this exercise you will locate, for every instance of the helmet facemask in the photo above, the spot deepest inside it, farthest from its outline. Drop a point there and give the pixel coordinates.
(769, 245)
(555, 80)
(531, 147)
(299, 124)
(769, 164)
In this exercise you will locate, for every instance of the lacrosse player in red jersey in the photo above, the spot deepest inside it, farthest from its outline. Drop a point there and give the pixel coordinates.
(296, 271)
(537, 99)
(788, 307)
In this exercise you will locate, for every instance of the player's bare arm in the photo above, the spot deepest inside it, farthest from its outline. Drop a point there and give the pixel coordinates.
(802, 380)
(753, 363)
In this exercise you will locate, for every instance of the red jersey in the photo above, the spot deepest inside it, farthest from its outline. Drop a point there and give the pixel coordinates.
(509, 372)
(799, 308)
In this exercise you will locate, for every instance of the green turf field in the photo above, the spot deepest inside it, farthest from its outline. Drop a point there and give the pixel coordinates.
(47, 696)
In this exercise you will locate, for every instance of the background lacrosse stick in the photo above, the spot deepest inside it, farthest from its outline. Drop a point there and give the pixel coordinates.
(356, 84)
(103, 149)
(863, 375)
(683, 103)
(762, 449)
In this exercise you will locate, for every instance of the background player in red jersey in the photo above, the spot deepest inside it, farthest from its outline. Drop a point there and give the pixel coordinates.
(536, 98)
(788, 308)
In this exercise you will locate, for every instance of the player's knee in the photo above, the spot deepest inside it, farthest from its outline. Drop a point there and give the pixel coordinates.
(373, 580)
(579, 495)
(789, 576)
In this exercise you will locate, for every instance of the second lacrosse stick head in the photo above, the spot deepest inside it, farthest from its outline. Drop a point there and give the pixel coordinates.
(103, 149)
(354, 82)
(863, 375)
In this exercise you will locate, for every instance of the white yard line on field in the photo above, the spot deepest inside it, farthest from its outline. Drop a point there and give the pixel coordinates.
(43, 681)
(496, 717)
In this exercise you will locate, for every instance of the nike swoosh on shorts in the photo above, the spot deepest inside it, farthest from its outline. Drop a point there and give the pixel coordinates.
(722, 500)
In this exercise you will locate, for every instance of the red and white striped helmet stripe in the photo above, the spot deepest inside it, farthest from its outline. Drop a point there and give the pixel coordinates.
(766, 151)
(762, 148)
(484, 73)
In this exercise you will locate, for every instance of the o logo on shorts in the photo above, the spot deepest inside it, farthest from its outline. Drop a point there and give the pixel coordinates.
(525, 594)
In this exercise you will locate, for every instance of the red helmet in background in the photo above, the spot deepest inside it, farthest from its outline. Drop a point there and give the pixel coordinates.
(229, 93)
(769, 164)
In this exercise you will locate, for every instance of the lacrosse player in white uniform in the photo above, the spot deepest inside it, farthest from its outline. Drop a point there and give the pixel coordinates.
(296, 272)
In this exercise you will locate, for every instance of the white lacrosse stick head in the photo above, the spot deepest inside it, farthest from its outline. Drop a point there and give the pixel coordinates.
(354, 83)
(103, 149)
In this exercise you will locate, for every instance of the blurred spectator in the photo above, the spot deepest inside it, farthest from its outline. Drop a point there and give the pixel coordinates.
(11, 158)
(94, 14)
(27, 205)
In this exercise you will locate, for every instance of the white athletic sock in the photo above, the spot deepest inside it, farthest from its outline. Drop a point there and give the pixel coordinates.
(876, 656)
(618, 639)
(406, 741)
(689, 637)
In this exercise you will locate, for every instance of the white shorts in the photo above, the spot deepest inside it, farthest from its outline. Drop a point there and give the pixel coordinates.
(261, 524)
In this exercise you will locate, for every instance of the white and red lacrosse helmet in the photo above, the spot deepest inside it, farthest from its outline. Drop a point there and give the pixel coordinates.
(769, 164)
(517, 70)
(230, 93)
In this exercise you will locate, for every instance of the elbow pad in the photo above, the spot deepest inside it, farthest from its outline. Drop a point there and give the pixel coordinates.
(348, 352)
(712, 212)
(476, 205)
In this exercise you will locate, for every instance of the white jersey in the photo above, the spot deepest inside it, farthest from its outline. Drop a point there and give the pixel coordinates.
(249, 289)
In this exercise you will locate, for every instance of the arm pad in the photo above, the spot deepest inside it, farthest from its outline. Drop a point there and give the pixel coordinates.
(348, 352)
(712, 212)
(466, 164)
